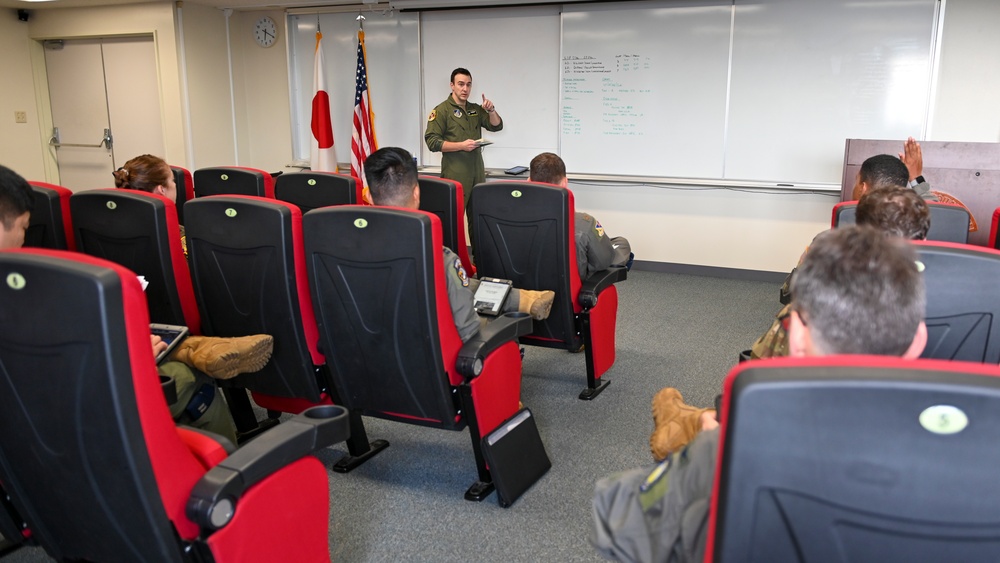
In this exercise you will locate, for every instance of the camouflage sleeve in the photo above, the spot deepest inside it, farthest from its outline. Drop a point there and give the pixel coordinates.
(923, 190)
(599, 251)
(434, 134)
(460, 296)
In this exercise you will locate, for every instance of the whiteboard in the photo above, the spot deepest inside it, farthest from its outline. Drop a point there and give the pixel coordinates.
(644, 88)
(808, 74)
(393, 47)
(753, 90)
(513, 55)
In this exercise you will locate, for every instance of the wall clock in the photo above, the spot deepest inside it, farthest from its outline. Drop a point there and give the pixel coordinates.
(265, 31)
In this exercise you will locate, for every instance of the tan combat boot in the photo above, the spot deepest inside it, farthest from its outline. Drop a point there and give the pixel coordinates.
(536, 303)
(223, 358)
(674, 423)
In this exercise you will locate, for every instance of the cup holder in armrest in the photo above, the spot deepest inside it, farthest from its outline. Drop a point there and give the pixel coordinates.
(516, 315)
(169, 388)
(324, 411)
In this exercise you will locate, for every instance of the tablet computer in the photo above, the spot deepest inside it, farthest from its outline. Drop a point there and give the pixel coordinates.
(490, 295)
(171, 334)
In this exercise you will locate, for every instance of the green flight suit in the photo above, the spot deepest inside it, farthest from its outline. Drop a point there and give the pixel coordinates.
(450, 122)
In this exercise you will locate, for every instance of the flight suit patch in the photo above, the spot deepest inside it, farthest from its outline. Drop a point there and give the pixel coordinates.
(599, 228)
(457, 112)
(460, 271)
(472, 112)
(433, 114)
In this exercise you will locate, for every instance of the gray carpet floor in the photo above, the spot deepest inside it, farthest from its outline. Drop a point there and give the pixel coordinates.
(406, 504)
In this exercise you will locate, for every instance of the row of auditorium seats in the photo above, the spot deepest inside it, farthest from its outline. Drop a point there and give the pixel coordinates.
(521, 246)
(92, 466)
(801, 478)
(246, 274)
(343, 273)
(780, 494)
(949, 222)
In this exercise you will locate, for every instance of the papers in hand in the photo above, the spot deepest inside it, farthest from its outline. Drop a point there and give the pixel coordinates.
(483, 142)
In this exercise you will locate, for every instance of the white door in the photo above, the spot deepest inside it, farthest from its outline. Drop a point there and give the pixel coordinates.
(98, 87)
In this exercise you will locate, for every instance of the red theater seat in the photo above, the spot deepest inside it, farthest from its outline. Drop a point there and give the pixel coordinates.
(857, 458)
(140, 231)
(387, 329)
(91, 457)
(523, 232)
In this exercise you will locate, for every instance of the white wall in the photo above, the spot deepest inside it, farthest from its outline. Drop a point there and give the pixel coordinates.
(138, 19)
(205, 58)
(263, 105)
(21, 147)
(721, 228)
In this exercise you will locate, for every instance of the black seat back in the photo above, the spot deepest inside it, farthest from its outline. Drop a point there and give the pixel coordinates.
(140, 232)
(249, 278)
(963, 309)
(859, 459)
(311, 190)
(524, 233)
(444, 198)
(73, 456)
(378, 289)
(949, 223)
(233, 180)
(185, 189)
(50, 225)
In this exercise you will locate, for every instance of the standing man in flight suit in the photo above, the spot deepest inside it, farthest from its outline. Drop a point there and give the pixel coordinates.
(453, 128)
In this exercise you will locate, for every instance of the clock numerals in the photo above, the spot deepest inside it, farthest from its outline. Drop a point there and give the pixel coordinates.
(265, 32)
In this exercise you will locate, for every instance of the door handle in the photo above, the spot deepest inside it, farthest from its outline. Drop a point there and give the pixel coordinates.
(106, 140)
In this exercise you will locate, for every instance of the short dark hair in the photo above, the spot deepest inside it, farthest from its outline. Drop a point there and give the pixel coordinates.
(458, 71)
(884, 171)
(895, 211)
(547, 167)
(860, 292)
(16, 197)
(391, 175)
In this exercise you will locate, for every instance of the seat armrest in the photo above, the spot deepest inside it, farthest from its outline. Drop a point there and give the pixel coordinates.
(213, 499)
(495, 334)
(598, 282)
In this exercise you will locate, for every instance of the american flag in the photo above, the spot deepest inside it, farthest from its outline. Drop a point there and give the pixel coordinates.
(363, 141)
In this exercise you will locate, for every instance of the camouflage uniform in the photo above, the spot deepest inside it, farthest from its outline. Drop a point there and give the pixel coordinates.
(923, 190)
(658, 513)
(450, 122)
(461, 290)
(595, 251)
(216, 419)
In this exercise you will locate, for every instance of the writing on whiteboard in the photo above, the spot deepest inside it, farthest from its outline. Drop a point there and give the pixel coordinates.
(607, 96)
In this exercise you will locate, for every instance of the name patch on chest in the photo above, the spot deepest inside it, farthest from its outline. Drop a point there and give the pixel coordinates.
(472, 112)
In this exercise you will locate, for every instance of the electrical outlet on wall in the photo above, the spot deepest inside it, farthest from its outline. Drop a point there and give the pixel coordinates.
(20, 117)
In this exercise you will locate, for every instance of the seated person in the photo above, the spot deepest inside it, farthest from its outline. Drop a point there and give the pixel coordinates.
(896, 211)
(220, 357)
(857, 291)
(595, 251)
(886, 171)
(392, 181)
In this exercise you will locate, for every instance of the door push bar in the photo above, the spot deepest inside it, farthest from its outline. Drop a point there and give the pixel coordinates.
(106, 141)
